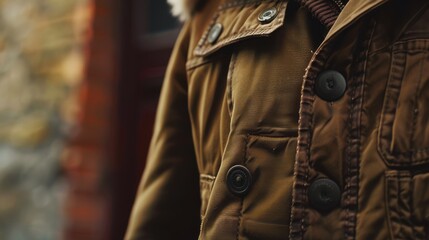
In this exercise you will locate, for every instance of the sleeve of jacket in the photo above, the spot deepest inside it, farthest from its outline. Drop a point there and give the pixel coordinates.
(167, 203)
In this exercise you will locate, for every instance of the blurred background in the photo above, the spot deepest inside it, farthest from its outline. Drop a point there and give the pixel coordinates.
(79, 85)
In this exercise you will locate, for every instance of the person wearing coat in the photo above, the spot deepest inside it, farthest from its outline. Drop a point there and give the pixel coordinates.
(291, 119)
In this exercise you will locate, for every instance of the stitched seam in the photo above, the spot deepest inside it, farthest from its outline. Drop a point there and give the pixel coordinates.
(410, 203)
(380, 137)
(364, 70)
(302, 164)
(245, 160)
(246, 153)
(250, 30)
(234, 38)
(415, 50)
(307, 174)
(229, 83)
(297, 227)
(349, 161)
(355, 116)
(403, 44)
(394, 177)
(415, 111)
(387, 97)
(350, 123)
(399, 47)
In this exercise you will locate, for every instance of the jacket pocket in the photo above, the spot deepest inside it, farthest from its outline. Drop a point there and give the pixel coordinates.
(234, 22)
(403, 139)
(407, 205)
(266, 209)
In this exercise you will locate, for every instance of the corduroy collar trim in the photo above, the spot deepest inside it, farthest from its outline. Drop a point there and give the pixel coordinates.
(324, 10)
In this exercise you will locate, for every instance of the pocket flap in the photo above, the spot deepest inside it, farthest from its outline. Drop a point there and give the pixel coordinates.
(241, 20)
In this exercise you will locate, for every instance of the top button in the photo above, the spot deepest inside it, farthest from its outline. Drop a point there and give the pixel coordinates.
(268, 15)
(330, 85)
(324, 195)
(214, 33)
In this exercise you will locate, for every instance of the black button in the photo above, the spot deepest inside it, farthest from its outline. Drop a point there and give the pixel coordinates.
(330, 85)
(238, 180)
(324, 195)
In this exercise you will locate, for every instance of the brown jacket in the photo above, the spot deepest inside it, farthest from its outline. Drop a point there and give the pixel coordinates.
(287, 120)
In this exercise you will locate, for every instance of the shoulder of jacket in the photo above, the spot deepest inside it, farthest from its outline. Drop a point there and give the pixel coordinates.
(183, 9)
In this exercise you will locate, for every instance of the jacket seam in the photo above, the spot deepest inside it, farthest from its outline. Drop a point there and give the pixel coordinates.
(229, 83)
(416, 97)
(394, 213)
(393, 47)
(356, 93)
(380, 137)
(235, 37)
(245, 160)
(299, 208)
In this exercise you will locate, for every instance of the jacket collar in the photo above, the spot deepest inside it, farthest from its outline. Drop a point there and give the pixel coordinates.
(353, 11)
(324, 10)
(333, 16)
(321, 9)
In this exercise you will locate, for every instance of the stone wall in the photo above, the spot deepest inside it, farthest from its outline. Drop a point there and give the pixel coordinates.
(41, 65)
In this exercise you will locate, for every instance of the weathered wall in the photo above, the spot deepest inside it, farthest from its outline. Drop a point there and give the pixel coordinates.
(41, 65)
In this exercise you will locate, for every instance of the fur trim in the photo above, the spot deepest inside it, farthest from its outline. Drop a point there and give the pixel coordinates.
(182, 8)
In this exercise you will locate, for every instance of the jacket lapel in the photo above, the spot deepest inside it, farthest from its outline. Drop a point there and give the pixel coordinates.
(354, 10)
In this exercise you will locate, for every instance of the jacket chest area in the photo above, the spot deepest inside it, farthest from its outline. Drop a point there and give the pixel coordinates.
(357, 104)
(262, 54)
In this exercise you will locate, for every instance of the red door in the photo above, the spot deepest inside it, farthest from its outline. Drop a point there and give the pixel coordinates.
(149, 34)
